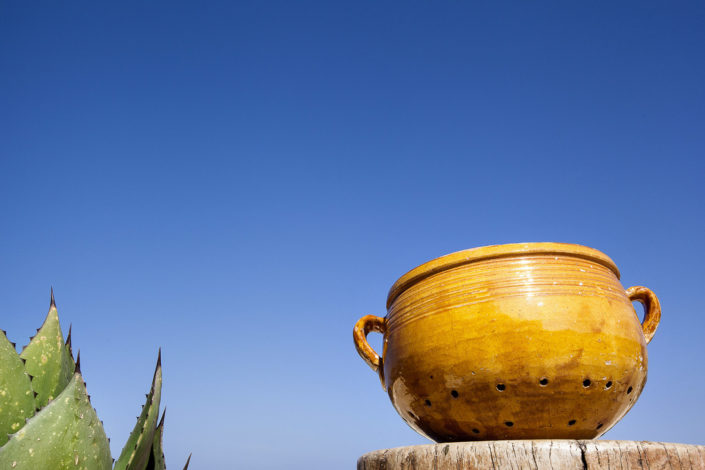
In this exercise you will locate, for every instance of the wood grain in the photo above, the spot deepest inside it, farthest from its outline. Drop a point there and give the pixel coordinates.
(538, 455)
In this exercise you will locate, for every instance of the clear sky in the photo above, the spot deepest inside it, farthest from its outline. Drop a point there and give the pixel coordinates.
(239, 182)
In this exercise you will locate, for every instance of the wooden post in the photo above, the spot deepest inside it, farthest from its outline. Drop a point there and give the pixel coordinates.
(538, 455)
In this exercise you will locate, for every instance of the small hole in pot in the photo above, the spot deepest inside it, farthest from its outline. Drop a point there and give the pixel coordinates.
(608, 385)
(586, 383)
(571, 422)
(629, 390)
(599, 426)
(509, 424)
(454, 393)
(476, 431)
(543, 381)
(430, 377)
(501, 387)
(428, 402)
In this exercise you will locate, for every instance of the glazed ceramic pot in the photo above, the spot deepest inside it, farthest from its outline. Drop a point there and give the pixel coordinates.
(521, 341)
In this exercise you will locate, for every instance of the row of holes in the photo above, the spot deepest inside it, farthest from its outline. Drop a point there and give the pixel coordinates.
(543, 382)
(506, 423)
(509, 424)
(502, 387)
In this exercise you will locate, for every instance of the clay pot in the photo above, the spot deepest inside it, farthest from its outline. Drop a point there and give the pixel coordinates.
(521, 341)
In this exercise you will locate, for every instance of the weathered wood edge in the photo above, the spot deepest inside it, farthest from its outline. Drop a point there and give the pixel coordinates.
(538, 455)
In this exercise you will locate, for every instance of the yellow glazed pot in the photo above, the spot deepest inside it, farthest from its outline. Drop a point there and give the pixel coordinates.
(521, 341)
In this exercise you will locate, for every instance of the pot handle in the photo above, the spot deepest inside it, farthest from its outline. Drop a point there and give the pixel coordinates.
(362, 328)
(652, 309)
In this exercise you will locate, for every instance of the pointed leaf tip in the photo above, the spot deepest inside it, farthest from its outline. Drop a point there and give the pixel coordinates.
(46, 359)
(188, 461)
(78, 362)
(68, 365)
(52, 303)
(158, 366)
(161, 421)
(139, 447)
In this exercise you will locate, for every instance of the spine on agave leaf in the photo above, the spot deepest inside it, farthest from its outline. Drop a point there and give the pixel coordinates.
(46, 419)
(68, 366)
(135, 454)
(144, 447)
(16, 394)
(156, 457)
(47, 360)
(66, 434)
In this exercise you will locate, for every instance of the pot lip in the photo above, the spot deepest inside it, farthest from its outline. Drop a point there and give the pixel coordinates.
(471, 255)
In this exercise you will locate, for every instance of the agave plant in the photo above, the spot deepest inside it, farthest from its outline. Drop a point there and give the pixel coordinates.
(47, 421)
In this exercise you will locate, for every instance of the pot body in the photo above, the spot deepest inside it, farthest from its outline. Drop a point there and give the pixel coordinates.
(526, 341)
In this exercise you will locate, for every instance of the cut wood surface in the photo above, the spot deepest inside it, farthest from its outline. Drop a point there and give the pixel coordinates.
(545, 454)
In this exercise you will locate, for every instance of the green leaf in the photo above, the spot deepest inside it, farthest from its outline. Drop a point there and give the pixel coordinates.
(46, 359)
(65, 435)
(16, 395)
(135, 454)
(68, 365)
(156, 457)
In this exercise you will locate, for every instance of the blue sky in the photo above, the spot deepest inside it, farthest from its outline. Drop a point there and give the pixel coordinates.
(239, 182)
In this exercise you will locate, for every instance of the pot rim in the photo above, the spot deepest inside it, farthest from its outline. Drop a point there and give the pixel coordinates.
(471, 255)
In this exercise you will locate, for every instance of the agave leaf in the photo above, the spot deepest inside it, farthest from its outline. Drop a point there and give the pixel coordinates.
(46, 359)
(188, 461)
(156, 457)
(135, 454)
(16, 395)
(68, 365)
(65, 435)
